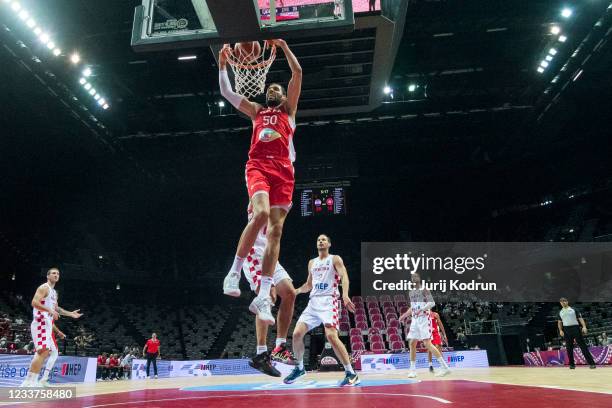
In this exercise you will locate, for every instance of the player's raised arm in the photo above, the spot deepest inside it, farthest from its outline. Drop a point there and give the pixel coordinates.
(306, 287)
(41, 293)
(238, 101)
(339, 265)
(295, 84)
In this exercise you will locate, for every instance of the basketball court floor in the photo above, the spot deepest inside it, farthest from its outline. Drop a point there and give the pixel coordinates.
(474, 388)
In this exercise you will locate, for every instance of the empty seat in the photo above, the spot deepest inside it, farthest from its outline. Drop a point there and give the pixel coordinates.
(378, 347)
(361, 325)
(380, 325)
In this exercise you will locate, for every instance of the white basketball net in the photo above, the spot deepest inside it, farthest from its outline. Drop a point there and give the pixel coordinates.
(250, 71)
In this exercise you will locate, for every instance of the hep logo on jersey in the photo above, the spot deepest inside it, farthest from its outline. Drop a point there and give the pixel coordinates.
(268, 135)
(321, 286)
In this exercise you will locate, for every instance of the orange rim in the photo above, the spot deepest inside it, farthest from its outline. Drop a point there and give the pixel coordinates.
(263, 64)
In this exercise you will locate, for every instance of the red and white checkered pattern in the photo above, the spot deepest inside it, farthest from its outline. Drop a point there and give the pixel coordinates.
(42, 332)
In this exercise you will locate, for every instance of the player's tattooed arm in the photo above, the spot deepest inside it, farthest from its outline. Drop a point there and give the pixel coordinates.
(306, 287)
(75, 314)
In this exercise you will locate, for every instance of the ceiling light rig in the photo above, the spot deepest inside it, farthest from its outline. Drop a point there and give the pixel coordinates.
(46, 39)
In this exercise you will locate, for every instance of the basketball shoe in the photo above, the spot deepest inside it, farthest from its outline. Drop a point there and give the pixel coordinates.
(263, 309)
(350, 380)
(231, 284)
(442, 372)
(294, 375)
(412, 374)
(283, 355)
(262, 363)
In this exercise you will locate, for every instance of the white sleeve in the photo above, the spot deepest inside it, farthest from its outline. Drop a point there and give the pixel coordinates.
(226, 90)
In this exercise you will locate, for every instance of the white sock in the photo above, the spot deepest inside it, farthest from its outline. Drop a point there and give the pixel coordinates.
(49, 366)
(412, 364)
(349, 368)
(237, 265)
(265, 286)
(32, 377)
(300, 364)
(442, 362)
(280, 340)
(261, 349)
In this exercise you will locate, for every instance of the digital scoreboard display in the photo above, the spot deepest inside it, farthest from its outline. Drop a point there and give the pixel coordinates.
(323, 201)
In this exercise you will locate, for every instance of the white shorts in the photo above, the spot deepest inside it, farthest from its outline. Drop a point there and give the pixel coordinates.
(321, 310)
(42, 332)
(420, 328)
(253, 274)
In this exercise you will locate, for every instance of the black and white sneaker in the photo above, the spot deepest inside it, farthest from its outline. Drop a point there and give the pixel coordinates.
(262, 363)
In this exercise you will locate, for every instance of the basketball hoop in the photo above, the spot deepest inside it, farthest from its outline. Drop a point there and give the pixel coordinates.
(250, 70)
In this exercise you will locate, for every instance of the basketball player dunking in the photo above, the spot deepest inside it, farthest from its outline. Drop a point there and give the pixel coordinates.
(45, 311)
(421, 303)
(269, 174)
(283, 287)
(325, 272)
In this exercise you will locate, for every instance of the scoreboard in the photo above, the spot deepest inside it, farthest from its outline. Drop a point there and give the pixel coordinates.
(323, 201)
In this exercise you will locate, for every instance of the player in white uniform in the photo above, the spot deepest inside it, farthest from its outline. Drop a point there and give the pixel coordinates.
(283, 287)
(421, 303)
(325, 273)
(45, 311)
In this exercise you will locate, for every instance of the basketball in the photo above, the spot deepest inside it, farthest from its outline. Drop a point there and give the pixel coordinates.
(249, 51)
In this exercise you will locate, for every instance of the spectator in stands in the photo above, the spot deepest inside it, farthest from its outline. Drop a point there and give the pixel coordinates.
(29, 347)
(604, 340)
(570, 330)
(3, 343)
(461, 336)
(83, 340)
(151, 352)
(113, 367)
(102, 368)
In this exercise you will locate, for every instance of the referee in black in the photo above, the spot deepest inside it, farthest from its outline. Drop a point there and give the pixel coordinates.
(570, 330)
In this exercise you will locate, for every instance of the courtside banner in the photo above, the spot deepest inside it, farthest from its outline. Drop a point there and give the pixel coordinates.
(67, 369)
(454, 359)
(552, 358)
(489, 271)
(200, 368)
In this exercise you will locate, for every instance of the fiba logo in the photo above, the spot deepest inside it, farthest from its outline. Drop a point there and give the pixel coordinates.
(328, 360)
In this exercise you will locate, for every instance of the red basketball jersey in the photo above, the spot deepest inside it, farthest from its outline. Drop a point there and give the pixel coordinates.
(434, 323)
(272, 135)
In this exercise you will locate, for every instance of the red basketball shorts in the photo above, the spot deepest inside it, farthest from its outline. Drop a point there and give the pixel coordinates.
(273, 177)
(435, 338)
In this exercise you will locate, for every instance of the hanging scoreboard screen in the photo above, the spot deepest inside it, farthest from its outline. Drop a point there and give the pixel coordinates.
(323, 201)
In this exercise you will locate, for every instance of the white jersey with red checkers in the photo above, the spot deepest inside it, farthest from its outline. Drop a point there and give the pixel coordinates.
(42, 323)
(253, 263)
(324, 304)
(325, 277)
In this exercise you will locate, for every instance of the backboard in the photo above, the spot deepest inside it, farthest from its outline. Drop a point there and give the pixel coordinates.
(172, 24)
